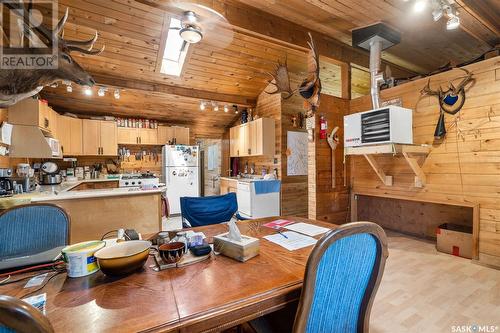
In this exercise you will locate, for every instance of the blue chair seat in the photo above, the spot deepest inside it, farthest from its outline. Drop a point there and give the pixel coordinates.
(200, 211)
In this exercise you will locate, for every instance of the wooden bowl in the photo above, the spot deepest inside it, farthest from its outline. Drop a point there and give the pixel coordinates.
(171, 252)
(123, 258)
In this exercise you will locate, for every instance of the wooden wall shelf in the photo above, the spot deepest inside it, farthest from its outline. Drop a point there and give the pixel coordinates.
(409, 152)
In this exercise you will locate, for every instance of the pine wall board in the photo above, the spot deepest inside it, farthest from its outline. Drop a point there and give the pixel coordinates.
(461, 169)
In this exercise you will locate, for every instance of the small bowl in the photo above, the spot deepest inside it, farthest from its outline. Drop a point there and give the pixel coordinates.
(123, 258)
(171, 252)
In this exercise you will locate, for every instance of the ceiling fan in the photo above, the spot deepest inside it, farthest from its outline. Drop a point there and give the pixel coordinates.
(200, 23)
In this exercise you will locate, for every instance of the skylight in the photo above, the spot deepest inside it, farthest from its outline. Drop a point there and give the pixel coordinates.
(174, 55)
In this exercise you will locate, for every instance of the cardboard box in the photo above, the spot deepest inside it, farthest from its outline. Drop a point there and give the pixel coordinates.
(454, 239)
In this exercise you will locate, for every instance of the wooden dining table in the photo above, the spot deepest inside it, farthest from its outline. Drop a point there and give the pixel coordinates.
(212, 295)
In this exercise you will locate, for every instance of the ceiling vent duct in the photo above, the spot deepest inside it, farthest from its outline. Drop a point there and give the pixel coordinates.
(375, 38)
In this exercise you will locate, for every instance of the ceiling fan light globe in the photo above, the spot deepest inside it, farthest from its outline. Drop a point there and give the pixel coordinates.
(191, 35)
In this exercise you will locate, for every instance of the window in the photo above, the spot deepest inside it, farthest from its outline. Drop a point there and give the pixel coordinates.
(175, 51)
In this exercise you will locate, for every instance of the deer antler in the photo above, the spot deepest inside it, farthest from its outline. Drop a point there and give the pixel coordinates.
(429, 92)
(467, 79)
(281, 80)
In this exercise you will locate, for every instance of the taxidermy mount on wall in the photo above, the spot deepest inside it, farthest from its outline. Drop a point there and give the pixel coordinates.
(309, 89)
(451, 101)
(17, 84)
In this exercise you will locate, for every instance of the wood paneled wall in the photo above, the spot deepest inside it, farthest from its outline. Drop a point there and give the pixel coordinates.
(325, 202)
(459, 170)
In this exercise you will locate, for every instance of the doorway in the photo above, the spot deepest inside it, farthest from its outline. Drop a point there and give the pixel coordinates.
(211, 158)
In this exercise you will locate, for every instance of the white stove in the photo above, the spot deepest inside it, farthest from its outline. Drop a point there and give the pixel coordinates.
(137, 180)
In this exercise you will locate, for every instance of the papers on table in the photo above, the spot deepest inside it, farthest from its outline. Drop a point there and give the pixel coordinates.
(307, 229)
(278, 224)
(291, 240)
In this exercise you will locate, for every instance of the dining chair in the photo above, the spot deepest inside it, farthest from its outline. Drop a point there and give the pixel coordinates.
(31, 229)
(20, 317)
(200, 211)
(342, 276)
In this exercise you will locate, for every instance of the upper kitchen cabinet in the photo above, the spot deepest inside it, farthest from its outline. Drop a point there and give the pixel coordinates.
(165, 134)
(254, 138)
(137, 136)
(181, 135)
(99, 137)
(34, 112)
(70, 135)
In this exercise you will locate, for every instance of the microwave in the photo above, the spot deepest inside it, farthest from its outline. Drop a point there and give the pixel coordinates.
(55, 146)
(390, 124)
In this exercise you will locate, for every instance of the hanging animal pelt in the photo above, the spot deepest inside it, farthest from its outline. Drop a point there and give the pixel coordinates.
(309, 89)
(451, 101)
(18, 84)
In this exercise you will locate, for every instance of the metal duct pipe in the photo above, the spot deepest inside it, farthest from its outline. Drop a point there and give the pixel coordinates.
(376, 76)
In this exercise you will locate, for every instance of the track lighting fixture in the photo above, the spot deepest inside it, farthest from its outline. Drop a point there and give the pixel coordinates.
(69, 88)
(226, 109)
(202, 106)
(101, 92)
(117, 94)
(215, 106)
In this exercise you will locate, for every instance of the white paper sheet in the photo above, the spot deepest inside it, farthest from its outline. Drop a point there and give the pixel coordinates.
(6, 130)
(307, 229)
(292, 241)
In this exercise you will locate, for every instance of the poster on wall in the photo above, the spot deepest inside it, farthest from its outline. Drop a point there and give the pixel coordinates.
(297, 153)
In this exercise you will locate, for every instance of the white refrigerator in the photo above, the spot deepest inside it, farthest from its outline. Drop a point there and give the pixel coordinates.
(181, 174)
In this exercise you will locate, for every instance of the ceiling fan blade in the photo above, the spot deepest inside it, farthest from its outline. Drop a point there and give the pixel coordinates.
(184, 44)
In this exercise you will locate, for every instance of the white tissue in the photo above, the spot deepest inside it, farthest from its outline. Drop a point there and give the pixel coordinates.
(234, 232)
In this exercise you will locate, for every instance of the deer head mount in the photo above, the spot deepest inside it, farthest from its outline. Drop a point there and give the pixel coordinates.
(309, 89)
(451, 100)
(18, 84)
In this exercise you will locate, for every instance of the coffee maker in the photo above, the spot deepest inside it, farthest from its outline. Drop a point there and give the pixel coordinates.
(6, 188)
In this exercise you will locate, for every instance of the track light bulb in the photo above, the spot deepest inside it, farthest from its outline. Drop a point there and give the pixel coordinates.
(117, 94)
(453, 23)
(202, 106)
(101, 92)
(419, 6)
(226, 109)
(69, 88)
(87, 91)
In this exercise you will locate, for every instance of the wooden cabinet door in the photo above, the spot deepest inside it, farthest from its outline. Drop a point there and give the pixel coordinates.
(64, 135)
(255, 137)
(267, 137)
(244, 140)
(91, 136)
(234, 145)
(76, 147)
(165, 134)
(148, 136)
(127, 136)
(52, 121)
(181, 135)
(109, 144)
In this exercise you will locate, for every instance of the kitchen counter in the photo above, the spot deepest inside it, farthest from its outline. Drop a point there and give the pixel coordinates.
(93, 212)
(64, 191)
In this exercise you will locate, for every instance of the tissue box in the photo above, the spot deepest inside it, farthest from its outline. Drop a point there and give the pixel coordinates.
(241, 251)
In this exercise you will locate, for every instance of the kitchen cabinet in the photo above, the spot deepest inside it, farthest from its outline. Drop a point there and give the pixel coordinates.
(255, 138)
(99, 137)
(228, 186)
(70, 135)
(148, 136)
(136, 136)
(181, 135)
(165, 134)
(34, 112)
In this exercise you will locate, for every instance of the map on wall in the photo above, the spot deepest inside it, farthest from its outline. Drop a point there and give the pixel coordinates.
(297, 153)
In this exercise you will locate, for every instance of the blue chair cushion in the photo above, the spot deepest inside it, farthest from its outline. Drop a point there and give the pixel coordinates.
(32, 229)
(343, 275)
(200, 211)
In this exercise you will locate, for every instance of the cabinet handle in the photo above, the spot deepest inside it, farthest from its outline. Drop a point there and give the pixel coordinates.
(46, 122)
(249, 151)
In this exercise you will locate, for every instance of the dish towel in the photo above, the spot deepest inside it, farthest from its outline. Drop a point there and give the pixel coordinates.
(267, 186)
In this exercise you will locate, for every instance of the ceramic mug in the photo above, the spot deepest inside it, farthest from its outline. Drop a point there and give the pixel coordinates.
(171, 252)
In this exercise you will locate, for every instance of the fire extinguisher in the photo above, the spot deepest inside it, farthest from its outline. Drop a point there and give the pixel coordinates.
(323, 126)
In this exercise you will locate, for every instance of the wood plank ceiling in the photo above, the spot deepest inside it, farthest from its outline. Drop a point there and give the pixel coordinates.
(426, 45)
(132, 34)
